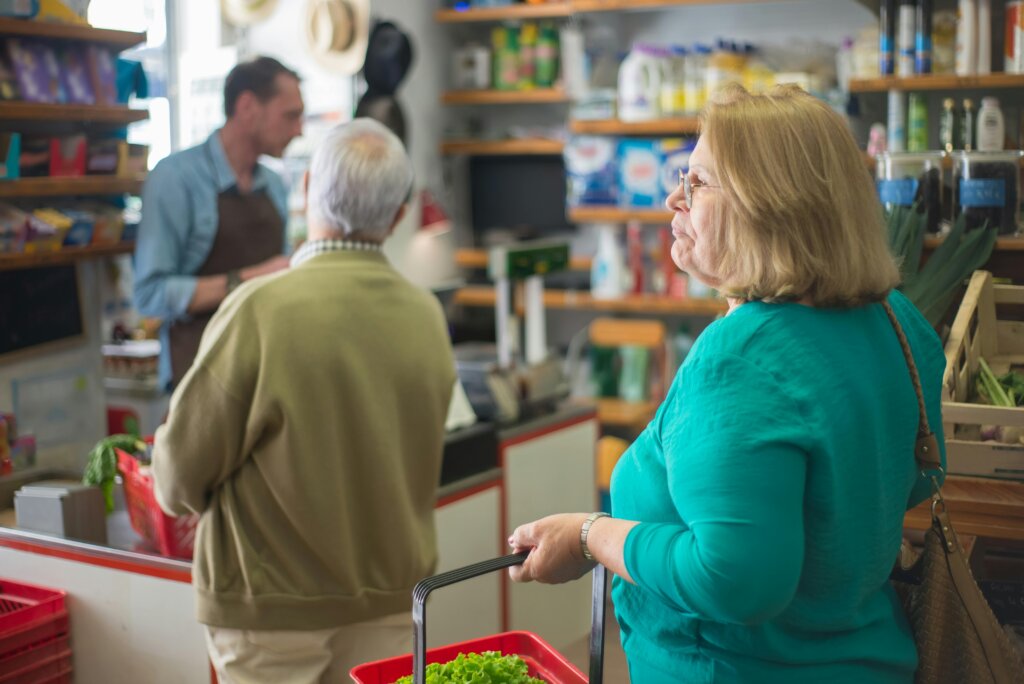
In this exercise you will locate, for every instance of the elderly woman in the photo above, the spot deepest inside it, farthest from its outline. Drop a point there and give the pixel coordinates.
(758, 516)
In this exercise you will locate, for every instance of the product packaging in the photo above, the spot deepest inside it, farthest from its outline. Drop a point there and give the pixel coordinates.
(987, 189)
(640, 173)
(886, 37)
(104, 75)
(675, 157)
(917, 123)
(640, 76)
(10, 151)
(990, 126)
(606, 271)
(1013, 52)
(984, 37)
(967, 38)
(923, 39)
(906, 35)
(37, 71)
(67, 156)
(905, 179)
(591, 169)
(897, 123)
(547, 56)
(75, 75)
(967, 128)
(948, 135)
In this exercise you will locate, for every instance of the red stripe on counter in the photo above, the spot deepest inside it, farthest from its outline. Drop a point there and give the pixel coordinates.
(113, 563)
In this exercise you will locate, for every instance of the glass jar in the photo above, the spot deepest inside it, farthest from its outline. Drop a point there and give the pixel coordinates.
(987, 189)
(908, 178)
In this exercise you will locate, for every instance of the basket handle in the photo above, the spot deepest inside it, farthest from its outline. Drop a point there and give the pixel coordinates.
(425, 587)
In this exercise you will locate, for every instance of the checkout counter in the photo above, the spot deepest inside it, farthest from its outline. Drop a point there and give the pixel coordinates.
(132, 610)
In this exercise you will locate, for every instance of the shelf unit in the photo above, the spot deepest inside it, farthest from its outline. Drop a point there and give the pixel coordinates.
(78, 185)
(661, 127)
(44, 29)
(538, 146)
(565, 8)
(937, 82)
(505, 97)
(1004, 244)
(618, 215)
(477, 258)
(67, 255)
(484, 296)
(31, 112)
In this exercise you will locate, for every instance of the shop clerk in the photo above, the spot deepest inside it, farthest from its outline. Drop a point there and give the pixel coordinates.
(212, 216)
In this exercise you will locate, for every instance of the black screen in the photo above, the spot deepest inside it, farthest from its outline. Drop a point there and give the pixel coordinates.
(525, 194)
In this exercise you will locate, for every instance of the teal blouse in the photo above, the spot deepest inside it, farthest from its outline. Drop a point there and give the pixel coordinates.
(771, 487)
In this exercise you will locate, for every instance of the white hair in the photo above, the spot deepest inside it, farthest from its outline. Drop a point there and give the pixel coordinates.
(359, 178)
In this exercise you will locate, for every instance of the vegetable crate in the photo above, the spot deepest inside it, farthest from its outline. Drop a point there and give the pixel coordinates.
(543, 661)
(978, 332)
(171, 536)
(34, 640)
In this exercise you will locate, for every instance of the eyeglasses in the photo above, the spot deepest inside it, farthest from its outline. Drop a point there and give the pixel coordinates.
(689, 186)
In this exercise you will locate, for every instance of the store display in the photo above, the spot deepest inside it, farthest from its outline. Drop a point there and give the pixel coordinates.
(75, 75)
(37, 70)
(923, 39)
(907, 179)
(987, 189)
(967, 128)
(917, 123)
(947, 125)
(944, 42)
(505, 51)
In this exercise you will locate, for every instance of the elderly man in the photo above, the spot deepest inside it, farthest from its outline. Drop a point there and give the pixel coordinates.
(308, 433)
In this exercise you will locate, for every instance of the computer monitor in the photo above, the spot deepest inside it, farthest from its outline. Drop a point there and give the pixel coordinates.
(523, 194)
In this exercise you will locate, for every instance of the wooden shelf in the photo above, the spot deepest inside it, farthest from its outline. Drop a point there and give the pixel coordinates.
(34, 112)
(542, 11)
(477, 258)
(501, 147)
(1003, 244)
(489, 97)
(483, 296)
(617, 215)
(937, 82)
(68, 255)
(674, 126)
(46, 29)
(585, 6)
(80, 185)
(983, 507)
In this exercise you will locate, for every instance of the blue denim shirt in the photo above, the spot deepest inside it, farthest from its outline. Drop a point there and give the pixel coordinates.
(179, 223)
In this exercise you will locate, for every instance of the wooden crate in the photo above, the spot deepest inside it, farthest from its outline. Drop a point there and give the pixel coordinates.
(978, 332)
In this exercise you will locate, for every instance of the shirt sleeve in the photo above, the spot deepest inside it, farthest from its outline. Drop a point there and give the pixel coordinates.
(206, 437)
(162, 290)
(735, 451)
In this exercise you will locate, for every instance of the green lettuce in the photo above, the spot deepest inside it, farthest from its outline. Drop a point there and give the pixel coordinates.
(488, 667)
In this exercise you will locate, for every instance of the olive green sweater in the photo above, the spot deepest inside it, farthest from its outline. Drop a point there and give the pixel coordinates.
(309, 434)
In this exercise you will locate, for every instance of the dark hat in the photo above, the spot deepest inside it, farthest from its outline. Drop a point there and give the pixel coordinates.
(388, 57)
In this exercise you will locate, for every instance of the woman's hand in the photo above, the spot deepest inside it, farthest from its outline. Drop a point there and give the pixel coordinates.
(554, 546)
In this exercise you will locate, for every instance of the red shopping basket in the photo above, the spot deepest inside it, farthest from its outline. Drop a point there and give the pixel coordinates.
(171, 536)
(543, 661)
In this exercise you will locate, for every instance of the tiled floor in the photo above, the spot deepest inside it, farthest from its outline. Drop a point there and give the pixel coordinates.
(615, 670)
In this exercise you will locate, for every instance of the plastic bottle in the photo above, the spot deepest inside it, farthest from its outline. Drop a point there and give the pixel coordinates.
(547, 56)
(696, 78)
(947, 125)
(607, 268)
(635, 250)
(528, 56)
(923, 40)
(897, 125)
(917, 123)
(673, 93)
(757, 75)
(725, 65)
(886, 37)
(906, 30)
(639, 85)
(967, 126)
(966, 38)
(990, 125)
(504, 41)
(984, 37)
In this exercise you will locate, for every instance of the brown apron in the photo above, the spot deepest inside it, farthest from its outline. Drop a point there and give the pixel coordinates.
(249, 230)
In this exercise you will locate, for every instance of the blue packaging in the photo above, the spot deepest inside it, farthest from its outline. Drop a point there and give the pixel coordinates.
(640, 173)
(675, 157)
(80, 233)
(591, 171)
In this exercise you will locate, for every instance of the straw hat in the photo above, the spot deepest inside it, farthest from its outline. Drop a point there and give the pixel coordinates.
(246, 12)
(337, 31)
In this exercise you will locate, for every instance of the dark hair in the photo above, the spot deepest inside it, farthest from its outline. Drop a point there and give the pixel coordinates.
(257, 76)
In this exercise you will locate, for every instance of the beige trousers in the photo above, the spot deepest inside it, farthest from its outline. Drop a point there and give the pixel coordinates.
(300, 657)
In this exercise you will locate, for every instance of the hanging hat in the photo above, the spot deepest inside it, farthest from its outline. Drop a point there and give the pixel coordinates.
(337, 32)
(388, 57)
(246, 12)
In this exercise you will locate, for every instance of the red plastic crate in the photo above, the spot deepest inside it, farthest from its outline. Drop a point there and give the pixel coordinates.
(35, 632)
(22, 605)
(172, 536)
(544, 661)
(27, 657)
(48, 669)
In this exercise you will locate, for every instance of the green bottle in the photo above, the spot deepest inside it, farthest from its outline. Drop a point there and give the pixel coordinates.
(947, 125)
(546, 56)
(917, 124)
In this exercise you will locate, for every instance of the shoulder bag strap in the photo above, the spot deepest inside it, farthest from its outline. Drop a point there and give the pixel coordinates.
(926, 451)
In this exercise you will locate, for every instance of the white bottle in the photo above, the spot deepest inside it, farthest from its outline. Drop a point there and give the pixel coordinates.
(606, 272)
(990, 125)
(966, 38)
(897, 127)
(640, 85)
(906, 30)
(984, 37)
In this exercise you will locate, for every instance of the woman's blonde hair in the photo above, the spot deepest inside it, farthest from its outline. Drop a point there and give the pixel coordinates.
(801, 218)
